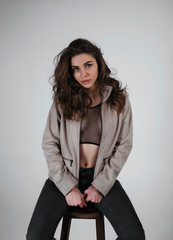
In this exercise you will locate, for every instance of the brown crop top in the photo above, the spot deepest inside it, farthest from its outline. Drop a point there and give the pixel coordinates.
(91, 126)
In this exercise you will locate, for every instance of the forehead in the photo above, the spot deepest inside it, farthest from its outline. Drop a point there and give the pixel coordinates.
(81, 59)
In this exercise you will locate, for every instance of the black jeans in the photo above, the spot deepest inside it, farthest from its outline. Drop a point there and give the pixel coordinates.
(116, 206)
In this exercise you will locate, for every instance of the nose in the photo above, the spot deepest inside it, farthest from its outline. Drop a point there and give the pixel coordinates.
(84, 72)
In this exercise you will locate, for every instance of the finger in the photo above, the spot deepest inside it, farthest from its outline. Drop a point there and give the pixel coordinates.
(81, 205)
(85, 205)
(85, 197)
(88, 199)
(69, 203)
(83, 201)
(86, 191)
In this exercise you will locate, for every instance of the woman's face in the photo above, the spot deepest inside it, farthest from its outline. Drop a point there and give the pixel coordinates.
(85, 70)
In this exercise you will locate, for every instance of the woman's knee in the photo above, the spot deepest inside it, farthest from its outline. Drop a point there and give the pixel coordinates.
(30, 236)
(37, 237)
(136, 234)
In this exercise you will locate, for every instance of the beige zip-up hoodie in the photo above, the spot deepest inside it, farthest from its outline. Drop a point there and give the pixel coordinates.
(61, 147)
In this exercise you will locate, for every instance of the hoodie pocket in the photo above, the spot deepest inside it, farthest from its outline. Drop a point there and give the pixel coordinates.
(68, 162)
(106, 160)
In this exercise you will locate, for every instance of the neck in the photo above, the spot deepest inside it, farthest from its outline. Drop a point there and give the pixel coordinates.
(95, 96)
(94, 91)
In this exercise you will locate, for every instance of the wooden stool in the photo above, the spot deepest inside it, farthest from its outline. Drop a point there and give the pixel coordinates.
(83, 213)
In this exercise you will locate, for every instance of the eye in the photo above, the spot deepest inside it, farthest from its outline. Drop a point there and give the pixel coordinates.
(75, 69)
(88, 65)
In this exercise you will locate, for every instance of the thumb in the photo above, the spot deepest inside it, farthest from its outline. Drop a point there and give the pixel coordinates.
(85, 192)
(83, 200)
(85, 195)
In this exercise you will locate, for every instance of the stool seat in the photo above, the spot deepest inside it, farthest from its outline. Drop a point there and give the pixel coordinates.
(85, 212)
(89, 212)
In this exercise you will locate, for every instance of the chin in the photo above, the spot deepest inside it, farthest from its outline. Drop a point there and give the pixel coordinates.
(87, 87)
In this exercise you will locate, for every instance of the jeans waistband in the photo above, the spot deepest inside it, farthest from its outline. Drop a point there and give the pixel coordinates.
(86, 171)
(85, 178)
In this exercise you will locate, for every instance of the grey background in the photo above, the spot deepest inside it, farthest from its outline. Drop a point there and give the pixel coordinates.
(136, 38)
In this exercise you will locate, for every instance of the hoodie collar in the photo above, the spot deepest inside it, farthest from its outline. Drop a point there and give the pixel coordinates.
(106, 92)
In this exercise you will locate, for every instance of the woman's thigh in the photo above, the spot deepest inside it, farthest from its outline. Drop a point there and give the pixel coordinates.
(118, 209)
(50, 208)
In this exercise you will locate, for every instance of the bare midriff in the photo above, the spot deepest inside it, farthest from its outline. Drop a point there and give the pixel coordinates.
(88, 155)
(89, 151)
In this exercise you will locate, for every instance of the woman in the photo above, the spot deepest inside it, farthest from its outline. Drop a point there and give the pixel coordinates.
(87, 140)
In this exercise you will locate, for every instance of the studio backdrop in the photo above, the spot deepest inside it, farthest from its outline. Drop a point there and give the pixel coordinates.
(136, 39)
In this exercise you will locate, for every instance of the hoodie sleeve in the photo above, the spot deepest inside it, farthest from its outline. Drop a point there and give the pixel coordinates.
(58, 171)
(106, 178)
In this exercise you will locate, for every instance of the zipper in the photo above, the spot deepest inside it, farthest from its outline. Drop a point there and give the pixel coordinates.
(70, 160)
(101, 140)
(107, 159)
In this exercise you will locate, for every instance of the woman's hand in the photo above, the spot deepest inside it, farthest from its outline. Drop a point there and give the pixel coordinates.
(92, 195)
(75, 198)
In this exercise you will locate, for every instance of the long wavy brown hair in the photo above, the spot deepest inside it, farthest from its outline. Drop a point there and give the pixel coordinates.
(73, 98)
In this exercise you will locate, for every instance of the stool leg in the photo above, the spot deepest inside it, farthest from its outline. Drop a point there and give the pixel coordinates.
(65, 230)
(100, 228)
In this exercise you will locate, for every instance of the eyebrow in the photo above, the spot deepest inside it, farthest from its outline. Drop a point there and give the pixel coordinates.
(84, 63)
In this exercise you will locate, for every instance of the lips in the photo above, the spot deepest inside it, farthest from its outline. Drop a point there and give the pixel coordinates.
(86, 81)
